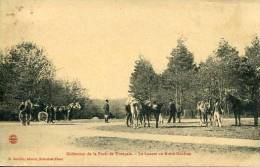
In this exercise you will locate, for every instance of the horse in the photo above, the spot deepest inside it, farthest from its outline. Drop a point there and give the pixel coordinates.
(135, 107)
(72, 107)
(146, 112)
(152, 108)
(66, 111)
(203, 107)
(156, 108)
(62, 112)
(236, 106)
(25, 112)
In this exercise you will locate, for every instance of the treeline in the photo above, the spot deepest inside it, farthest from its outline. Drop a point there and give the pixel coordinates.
(224, 71)
(26, 72)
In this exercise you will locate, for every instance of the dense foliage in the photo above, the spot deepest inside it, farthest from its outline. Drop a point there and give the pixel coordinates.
(223, 72)
(26, 72)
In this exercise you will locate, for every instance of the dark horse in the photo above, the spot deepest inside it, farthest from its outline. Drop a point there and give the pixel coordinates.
(235, 105)
(150, 108)
(128, 115)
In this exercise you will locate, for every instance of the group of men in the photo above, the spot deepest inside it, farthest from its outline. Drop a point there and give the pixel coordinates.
(30, 111)
(147, 110)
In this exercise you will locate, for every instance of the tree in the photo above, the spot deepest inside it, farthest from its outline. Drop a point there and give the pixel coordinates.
(179, 72)
(27, 67)
(143, 81)
(225, 57)
(26, 72)
(251, 74)
(2, 76)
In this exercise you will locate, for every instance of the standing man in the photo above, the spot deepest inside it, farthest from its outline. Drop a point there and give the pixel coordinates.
(128, 115)
(179, 112)
(172, 111)
(106, 110)
(51, 114)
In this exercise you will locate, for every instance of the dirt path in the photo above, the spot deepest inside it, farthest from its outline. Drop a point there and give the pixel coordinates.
(41, 140)
(179, 138)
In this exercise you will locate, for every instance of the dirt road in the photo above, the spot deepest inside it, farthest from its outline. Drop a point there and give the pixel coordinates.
(52, 145)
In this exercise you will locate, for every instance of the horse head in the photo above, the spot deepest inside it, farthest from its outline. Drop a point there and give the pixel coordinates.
(77, 106)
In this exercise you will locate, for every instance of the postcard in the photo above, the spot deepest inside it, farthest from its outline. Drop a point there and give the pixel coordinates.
(129, 83)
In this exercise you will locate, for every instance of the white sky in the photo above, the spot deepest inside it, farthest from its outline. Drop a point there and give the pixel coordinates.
(97, 42)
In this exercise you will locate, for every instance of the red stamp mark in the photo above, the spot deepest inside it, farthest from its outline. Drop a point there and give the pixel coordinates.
(13, 139)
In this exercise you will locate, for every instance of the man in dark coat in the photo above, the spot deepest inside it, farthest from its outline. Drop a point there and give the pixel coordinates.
(179, 112)
(172, 111)
(128, 115)
(106, 110)
(51, 114)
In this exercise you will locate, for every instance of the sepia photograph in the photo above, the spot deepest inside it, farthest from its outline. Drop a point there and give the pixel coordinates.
(129, 83)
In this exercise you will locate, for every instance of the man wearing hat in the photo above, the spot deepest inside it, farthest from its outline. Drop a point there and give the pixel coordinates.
(106, 110)
(172, 111)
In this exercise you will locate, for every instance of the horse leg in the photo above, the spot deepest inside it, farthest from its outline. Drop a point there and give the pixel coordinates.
(140, 116)
(160, 119)
(144, 120)
(144, 117)
(235, 118)
(200, 118)
(133, 121)
(239, 123)
(170, 118)
(215, 118)
(219, 122)
(24, 119)
(137, 122)
(206, 117)
(211, 118)
(133, 118)
(127, 119)
(148, 120)
(156, 115)
(27, 118)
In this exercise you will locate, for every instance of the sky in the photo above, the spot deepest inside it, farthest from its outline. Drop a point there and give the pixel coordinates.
(98, 41)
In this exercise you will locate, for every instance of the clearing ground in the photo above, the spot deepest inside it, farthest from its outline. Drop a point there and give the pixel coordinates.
(191, 127)
(87, 142)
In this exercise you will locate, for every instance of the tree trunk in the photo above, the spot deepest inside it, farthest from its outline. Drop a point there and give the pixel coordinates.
(176, 94)
(256, 118)
(256, 105)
